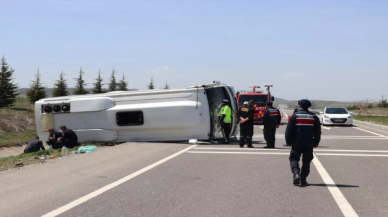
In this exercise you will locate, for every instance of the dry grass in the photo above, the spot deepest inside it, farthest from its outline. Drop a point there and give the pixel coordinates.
(22, 160)
(373, 111)
(373, 119)
(17, 124)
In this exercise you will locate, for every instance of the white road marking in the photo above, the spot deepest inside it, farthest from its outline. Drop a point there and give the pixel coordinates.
(327, 128)
(355, 155)
(235, 152)
(85, 198)
(282, 136)
(339, 198)
(281, 153)
(371, 132)
(287, 149)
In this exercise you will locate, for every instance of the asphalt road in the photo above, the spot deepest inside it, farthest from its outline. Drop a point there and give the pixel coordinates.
(348, 178)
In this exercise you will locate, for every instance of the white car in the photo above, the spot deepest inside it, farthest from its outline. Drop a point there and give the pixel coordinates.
(336, 116)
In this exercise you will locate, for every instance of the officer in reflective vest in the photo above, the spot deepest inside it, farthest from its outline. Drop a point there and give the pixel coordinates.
(225, 119)
(271, 121)
(245, 116)
(303, 133)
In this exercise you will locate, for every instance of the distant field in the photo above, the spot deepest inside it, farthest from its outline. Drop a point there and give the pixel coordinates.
(17, 124)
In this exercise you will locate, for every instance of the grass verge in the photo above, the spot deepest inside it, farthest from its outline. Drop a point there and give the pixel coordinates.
(373, 119)
(31, 158)
(17, 124)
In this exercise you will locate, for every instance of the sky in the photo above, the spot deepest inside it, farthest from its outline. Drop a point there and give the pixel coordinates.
(322, 50)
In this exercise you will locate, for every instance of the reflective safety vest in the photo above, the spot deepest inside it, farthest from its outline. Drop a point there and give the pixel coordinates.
(225, 110)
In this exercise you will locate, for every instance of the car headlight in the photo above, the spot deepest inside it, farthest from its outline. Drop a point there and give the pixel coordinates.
(350, 117)
(326, 116)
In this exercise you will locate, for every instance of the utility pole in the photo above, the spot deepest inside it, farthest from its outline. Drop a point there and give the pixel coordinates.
(269, 91)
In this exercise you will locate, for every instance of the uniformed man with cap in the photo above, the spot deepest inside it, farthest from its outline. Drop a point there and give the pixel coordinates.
(297, 109)
(245, 116)
(303, 133)
(225, 119)
(271, 121)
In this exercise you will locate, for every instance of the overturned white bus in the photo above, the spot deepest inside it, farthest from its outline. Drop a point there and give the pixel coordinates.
(149, 115)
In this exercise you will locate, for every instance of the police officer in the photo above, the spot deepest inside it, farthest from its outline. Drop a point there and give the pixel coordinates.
(303, 133)
(245, 116)
(271, 121)
(225, 119)
(297, 109)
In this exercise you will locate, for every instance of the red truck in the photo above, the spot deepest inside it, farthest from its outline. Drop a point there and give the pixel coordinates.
(260, 99)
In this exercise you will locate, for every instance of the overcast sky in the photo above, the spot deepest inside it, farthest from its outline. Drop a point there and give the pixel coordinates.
(328, 50)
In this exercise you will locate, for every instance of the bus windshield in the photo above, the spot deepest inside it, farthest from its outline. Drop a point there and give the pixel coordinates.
(260, 100)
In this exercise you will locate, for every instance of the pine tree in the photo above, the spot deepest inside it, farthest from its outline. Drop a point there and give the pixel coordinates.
(166, 87)
(8, 89)
(60, 86)
(98, 85)
(80, 87)
(151, 84)
(122, 85)
(112, 84)
(36, 90)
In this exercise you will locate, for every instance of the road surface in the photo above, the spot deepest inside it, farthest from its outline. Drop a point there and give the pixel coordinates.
(348, 178)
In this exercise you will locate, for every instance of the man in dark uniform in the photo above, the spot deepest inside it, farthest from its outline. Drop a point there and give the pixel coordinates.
(34, 145)
(303, 133)
(245, 116)
(69, 138)
(297, 109)
(53, 137)
(271, 121)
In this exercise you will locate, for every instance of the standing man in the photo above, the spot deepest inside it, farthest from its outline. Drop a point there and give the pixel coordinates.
(303, 133)
(297, 109)
(69, 138)
(271, 121)
(34, 145)
(245, 116)
(225, 119)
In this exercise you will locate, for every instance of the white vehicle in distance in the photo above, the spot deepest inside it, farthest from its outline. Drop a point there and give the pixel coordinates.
(336, 116)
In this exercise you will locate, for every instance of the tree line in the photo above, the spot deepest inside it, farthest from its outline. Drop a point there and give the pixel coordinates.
(36, 90)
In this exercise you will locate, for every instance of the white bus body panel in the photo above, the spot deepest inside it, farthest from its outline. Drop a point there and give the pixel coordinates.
(169, 115)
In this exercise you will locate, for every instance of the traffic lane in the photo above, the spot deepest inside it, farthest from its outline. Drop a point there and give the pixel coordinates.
(344, 131)
(378, 144)
(362, 180)
(39, 189)
(214, 185)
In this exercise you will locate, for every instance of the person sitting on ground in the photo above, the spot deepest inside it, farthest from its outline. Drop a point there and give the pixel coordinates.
(34, 145)
(53, 137)
(69, 138)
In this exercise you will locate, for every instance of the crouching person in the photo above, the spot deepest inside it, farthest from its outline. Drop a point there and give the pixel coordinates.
(34, 145)
(69, 138)
(53, 138)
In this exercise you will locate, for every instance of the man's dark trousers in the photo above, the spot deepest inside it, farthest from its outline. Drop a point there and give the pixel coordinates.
(246, 133)
(269, 135)
(307, 152)
(226, 129)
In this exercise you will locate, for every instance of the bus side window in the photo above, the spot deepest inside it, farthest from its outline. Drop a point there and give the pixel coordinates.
(132, 118)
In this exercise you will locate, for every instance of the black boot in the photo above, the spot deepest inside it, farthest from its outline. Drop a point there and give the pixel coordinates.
(296, 179)
(303, 182)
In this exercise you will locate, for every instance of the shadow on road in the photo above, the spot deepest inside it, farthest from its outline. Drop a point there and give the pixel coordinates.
(336, 185)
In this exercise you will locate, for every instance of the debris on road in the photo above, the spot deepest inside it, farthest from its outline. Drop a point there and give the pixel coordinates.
(87, 149)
